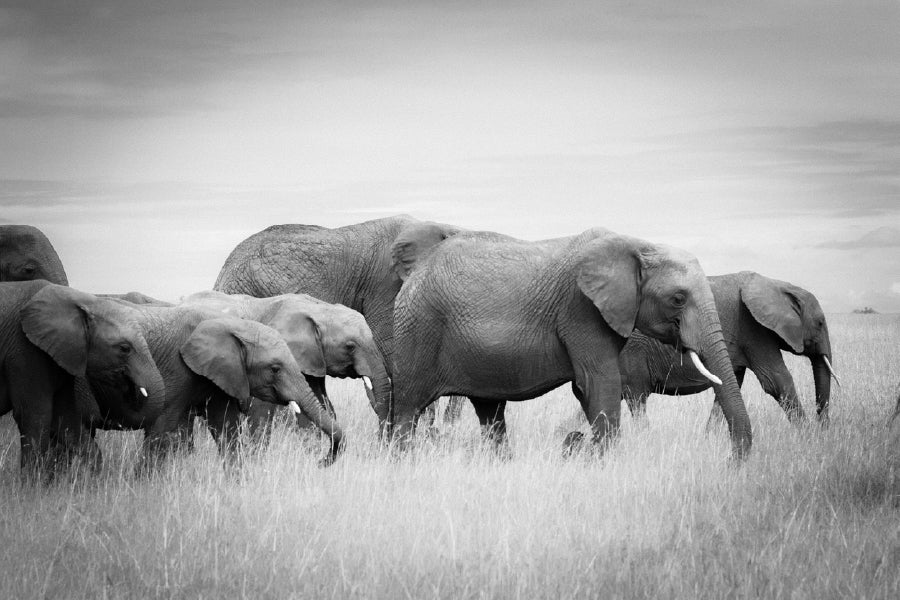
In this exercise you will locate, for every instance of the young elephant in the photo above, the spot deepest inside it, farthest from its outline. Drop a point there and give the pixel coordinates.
(50, 334)
(325, 339)
(497, 319)
(760, 317)
(212, 365)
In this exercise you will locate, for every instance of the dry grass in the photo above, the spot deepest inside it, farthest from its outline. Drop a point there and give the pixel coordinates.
(664, 514)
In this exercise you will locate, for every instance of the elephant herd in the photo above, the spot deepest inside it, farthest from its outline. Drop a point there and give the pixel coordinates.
(418, 310)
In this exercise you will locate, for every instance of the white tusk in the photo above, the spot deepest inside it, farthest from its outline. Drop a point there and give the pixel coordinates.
(703, 370)
(294, 407)
(368, 383)
(144, 391)
(830, 370)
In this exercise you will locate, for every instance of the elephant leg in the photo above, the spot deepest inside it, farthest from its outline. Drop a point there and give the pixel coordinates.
(407, 414)
(601, 402)
(75, 441)
(594, 351)
(261, 420)
(223, 418)
(491, 415)
(32, 402)
(166, 436)
(779, 384)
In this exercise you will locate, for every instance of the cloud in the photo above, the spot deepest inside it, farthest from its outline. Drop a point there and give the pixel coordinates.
(883, 237)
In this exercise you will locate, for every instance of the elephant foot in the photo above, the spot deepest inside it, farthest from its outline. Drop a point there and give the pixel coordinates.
(574, 443)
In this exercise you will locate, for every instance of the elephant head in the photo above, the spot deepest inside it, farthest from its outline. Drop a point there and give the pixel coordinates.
(796, 317)
(245, 358)
(664, 293)
(27, 254)
(96, 338)
(331, 339)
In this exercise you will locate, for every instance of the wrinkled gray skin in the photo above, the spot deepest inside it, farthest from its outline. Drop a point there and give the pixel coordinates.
(137, 298)
(760, 317)
(346, 265)
(26, 254)
(498, 319)
(211, 365)
(325, 339)
(50, 334)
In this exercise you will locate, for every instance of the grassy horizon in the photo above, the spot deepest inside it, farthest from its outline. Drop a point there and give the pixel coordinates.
(813, 513)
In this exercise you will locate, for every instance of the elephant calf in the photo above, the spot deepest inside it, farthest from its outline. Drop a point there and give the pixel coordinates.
(325, 339)
(211, 365)
(50, 334)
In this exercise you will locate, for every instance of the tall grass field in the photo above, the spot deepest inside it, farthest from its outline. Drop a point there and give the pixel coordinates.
(813, 513)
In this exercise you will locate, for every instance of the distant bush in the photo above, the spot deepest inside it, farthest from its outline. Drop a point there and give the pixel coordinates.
(866, 310)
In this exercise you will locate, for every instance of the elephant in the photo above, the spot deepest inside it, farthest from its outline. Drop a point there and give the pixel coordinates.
(325, 339)
(496, 319)
(760, 317)
(50, 334)
(26, 254)
(137, 298)
(212, 364)
(349, 265)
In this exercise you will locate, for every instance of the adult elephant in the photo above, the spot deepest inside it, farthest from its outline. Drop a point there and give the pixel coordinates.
(212, 364)
(498, 319)
(349, 265)
(760, 317)
(26, 254)
(325, 339)
(50, 334)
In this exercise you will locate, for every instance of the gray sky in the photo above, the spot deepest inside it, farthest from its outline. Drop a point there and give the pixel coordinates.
(147, 139)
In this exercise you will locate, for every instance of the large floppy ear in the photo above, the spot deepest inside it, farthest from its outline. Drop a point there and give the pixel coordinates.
(214, 352)
(304, 339)
(57, 320)
(608, 271)
(415, 243)
(775, 307)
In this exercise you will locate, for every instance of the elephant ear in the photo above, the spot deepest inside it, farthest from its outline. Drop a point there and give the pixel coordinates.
(304, 339)
(416, 242)
(215, 352)
(775, 307)
(608, 271)
(57, 320)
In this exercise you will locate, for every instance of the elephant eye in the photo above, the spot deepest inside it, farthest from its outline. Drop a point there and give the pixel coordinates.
(125, 348)
(275, 368)
(679, 300)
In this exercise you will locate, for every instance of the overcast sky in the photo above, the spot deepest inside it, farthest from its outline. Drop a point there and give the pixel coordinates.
(147, 139)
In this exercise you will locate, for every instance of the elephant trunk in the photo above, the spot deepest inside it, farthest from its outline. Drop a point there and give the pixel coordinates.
(301, 399)
(149, 384)
(370, 365)
(822, 381)
(715, 355)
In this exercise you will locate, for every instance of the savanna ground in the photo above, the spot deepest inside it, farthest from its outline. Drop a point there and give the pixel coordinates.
(664, 514)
